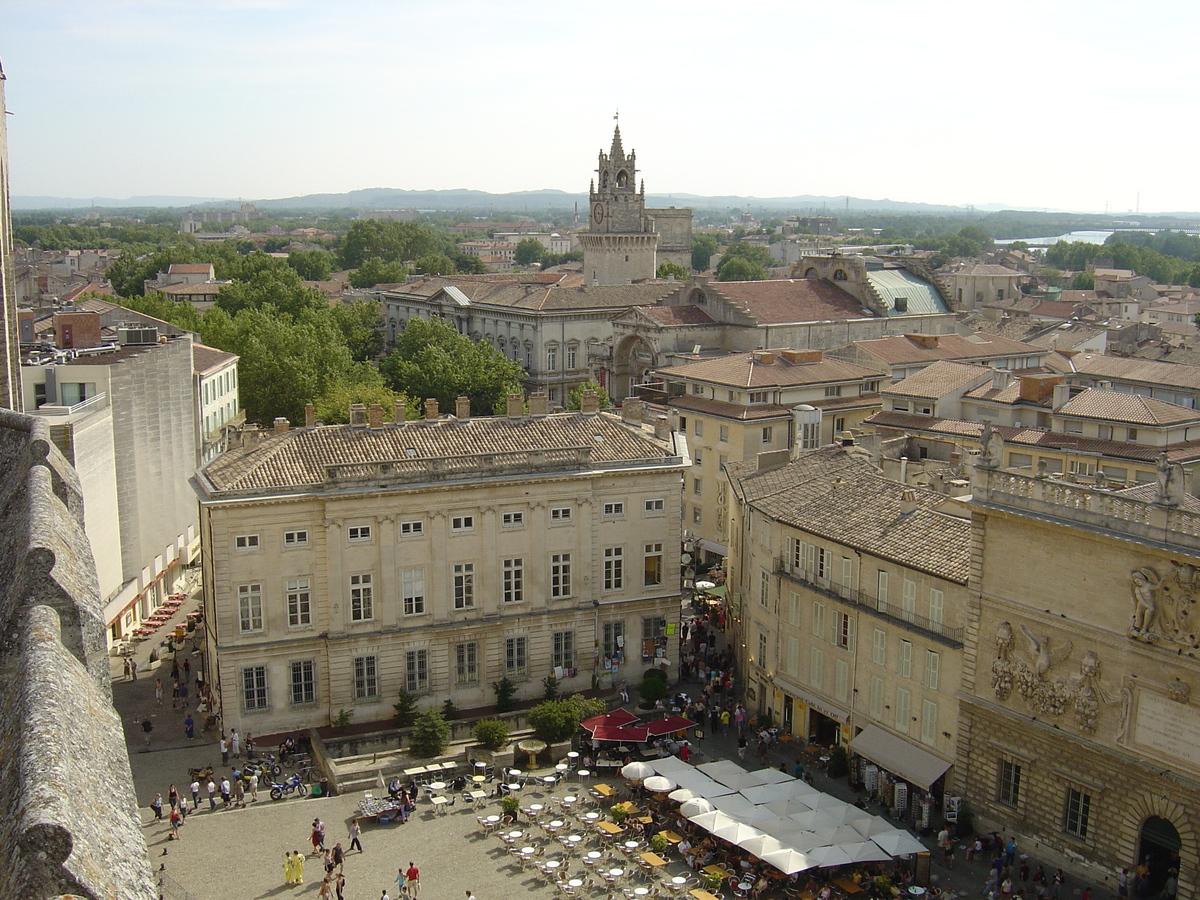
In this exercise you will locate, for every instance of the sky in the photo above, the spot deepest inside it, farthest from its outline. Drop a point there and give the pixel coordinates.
(1064, 104)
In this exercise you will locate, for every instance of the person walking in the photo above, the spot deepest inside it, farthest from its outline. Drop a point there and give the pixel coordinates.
(412, 879)
(339, 856)
(128, 671)
(176, 820)
(355, 834)
(289, 869)
(340, 886)
(156, 805)
(133, 670)
(224, 750)
(195, 789)
(1057, 883)
(212, 793)
(187, 670)
(235, 744)
(147, 727)
(298, 866)
(189, 727)
(239, 791)
(158, 691)
(326, 892)
(226, 793)
(254, 787)
(173, 797)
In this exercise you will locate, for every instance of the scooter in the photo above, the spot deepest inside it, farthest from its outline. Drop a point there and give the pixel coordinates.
(294, 783)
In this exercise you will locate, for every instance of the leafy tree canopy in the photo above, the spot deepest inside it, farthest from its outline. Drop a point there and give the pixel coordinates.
(375, 271)
(362, 384)
(740, 268)
(279, 287)
(704, 247)
(361, 322)
(529, 251)
(159, 305)
(667, 269)
(575, 396)
(431, 359)
(311, 265)
(390, 241)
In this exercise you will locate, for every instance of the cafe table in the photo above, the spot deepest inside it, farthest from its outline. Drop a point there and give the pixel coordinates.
(575, 883)
(604, 789)
(849, 885)
(671, 837)
(701, 894)
(609, 827)
(654, 859)
(437, 785)
(718, 870)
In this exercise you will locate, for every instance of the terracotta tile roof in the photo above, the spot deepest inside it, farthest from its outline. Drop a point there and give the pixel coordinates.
(676, 315)
(298, 458)
(1009, 394)
(901, 349)
(1147, 371)
(939, 379)
(740, 370)
(206, 359)
(207, 288)
(190, 268)
(1055, 309)
(793, 300)
(548, 292)
(841, 497)
(1132, 408)
(736, 411)
(1148, 493)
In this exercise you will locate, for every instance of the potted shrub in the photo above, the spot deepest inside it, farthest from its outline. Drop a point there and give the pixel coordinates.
(491, 734)
(658, 843)
(619, 813)
(510, 805)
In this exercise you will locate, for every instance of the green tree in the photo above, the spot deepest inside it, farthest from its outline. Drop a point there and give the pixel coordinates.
(506, 692)
(390, 241)
(375, 271)
(491, 734)
(529, 251)
(575, 396)
(431, 359)
(361, 322)
(405, 710)
(466, 264)
(1083, 281)
(159, 305)
(430, 734)
(363, 385)
(976, 234)
(280, 288)
(435, 264)
(553, 721)
(311, 265)
(667, 269)
(704, 247)
(739, 268)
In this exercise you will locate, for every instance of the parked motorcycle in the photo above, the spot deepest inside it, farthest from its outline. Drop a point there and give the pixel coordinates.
(201, 774)
(293, 784)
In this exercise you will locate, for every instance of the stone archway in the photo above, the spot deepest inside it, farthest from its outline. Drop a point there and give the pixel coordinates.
(632, 359)
(1164, 838)
(1159, 848)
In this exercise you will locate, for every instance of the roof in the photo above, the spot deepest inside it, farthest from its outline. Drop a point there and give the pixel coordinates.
(204, 289)
(1055, 309)
(838, 495)
(724, 410)
(302, 457)
(939, 379)
(899, 349)
(676, 315)
(547, 291)
(1111, 406)
(781, 302)
(190, 268)
(741, 370)
(206, 359)
(1133, 369)
(922, 296)
(984, 269)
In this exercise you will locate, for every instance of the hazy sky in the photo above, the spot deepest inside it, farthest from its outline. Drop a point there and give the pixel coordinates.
(1070, 105)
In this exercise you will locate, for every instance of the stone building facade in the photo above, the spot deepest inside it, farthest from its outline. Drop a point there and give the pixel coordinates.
(343, 563)
(1080, 729)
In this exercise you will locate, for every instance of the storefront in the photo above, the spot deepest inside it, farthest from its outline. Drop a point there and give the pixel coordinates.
(812, 718)
(901, 775)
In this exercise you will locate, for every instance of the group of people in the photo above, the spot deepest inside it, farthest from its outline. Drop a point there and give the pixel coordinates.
(333, 884)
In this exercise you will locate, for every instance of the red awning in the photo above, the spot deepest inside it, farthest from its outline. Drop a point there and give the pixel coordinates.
(670, 724)
(634, 734)
(614, 719)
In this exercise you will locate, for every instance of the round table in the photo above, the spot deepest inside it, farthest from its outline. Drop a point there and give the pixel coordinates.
(631, 845)
(549, 780)
(679, 880)
(480, 766)
(513, 788)
(514, 834)
(528, 851)
(437, 785)
(583, 774)
(479, 779)
(616, 873)
(592, 816)
(745, 886)
(572, 755)
(916, 891)
(552, 864)
(575, 883)
(556, 823)
(561, 767)
(641, 892)
(575, 838)
(594, 854)
(536, 808)
(492, 820)
(569, 799)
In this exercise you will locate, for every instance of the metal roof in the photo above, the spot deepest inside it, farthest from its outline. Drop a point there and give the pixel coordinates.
(923, 298)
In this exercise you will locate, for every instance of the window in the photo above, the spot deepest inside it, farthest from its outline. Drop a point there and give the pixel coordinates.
(299, 604)
(512, 520)
(366, 681)
(655, 507)
(697, 515)
(516, 657)
(412, 529)
(683, 424)
(254, 687)
(304, 682)
(758, 396)
(818, 619)
(1009, 789)
(653, 568)
(697, 389)
(847, 584)
(362, 607)
(462, 523)
(560, 514)
(903, 705)
(464, 586)
(724, 434)
(698, 456)
(833, 390)
(908, 608)
(514, 580)
(762, 649)
(881, 588)
(572, 357)
(879, 647)
(653, 627)
(792, 666)
(416, 671)
(929, 726)
(841, 679)
(1077, 812)
(359, 533)
(801, 556)
(933, 664)
(816, 668)
(822, 564)
(1083, 467)
(698, 486)
(766, 435)
(412, 590)
(906, 648)
(699, 427)
(295, 539)
(560, 575)
(616, 508)
(614, 568)
(564, 649)
(876, 697)
(844, 630)
(614, 639)
(764, 589)
(551, 358)
(466, 663)
(793, 609)
(937, 604)
(250, 607)
(246, 542)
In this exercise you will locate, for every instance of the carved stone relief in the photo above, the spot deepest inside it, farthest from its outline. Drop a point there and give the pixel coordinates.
(1166, 608)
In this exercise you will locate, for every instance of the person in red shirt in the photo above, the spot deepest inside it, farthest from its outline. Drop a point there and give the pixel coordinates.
(412, 879)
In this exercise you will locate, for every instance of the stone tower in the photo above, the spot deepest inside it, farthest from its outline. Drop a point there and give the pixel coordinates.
(621, 244)
(10, 374)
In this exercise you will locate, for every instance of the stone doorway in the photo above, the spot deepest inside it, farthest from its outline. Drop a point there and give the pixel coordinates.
(1158, 849)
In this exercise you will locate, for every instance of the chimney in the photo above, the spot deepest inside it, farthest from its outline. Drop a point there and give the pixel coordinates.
(999, 379)
(400, 412)
(538, 405)
(773, 459)
(310, 415)
(250, 437)
(282, 425)
(589, 403)
(764, 357)
(358, 415)
(800, 357)
(375, 415)
(1036, 388)
(662, 428)
(431, 409)
(631, 411)
(516, 406)
(847, 439)
(928, 341)
(1062, 393)
(908, 502)
(462, 408)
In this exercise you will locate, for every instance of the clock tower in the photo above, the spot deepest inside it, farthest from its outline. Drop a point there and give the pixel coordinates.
(620, 244)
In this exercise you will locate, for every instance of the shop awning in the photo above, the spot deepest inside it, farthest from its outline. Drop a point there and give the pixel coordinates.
(614, 719)
(669, 725)
(899, 757)
(718, 591)
(633, 734)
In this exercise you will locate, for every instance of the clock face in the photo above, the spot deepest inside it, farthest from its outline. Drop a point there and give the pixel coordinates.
(598, 213)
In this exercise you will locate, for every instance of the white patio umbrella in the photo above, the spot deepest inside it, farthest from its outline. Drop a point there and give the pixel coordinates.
(765, 793)
(898, 843)
(637, 771)
(712, 819)
(829, 856)
(762, 843)
(835, 837)
(872, 825)
(702, 785)
(695, 807)
(788, 861)
(783, 808)
(825, 801)
(735, 831)
(712, 769)
(813, 819)
(682, 795)
(844, 815)
(866, 851)
(773, 776)
(739, 782)
(659, 784)
(669, 765)
(757, 815)
(734, 804)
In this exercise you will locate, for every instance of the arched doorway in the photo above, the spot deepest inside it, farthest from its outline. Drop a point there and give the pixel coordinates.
(1158, 849)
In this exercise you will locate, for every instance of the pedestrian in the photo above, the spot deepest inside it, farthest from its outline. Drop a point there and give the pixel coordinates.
(147, 727)
(128, 670)
(624, 692)
(1057, 885)
(212, 793)
(173, 797)
(254, 787)
(175, 694)
(470, 896)
(326, 892)
(239, 791)
(314, 838)
(224, 750)
(412, 879)
(339, 855)
(133, 670)
(328, 860)
(195, 788)
(187, 669)
(1023, 869)
(156, 805)
(741, 751)
(355, 834)
(385, 896)
(946, 842)
(235, 744)
(176, 821)
(226, 792)
(298, 865)
(340, 884)
(189, 727)
(158, 691)
(174, 670)
(1010, 851)
(1123, 883)
(289, 870)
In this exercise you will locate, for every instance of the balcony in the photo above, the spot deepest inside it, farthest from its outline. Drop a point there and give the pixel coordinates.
(873, 606)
